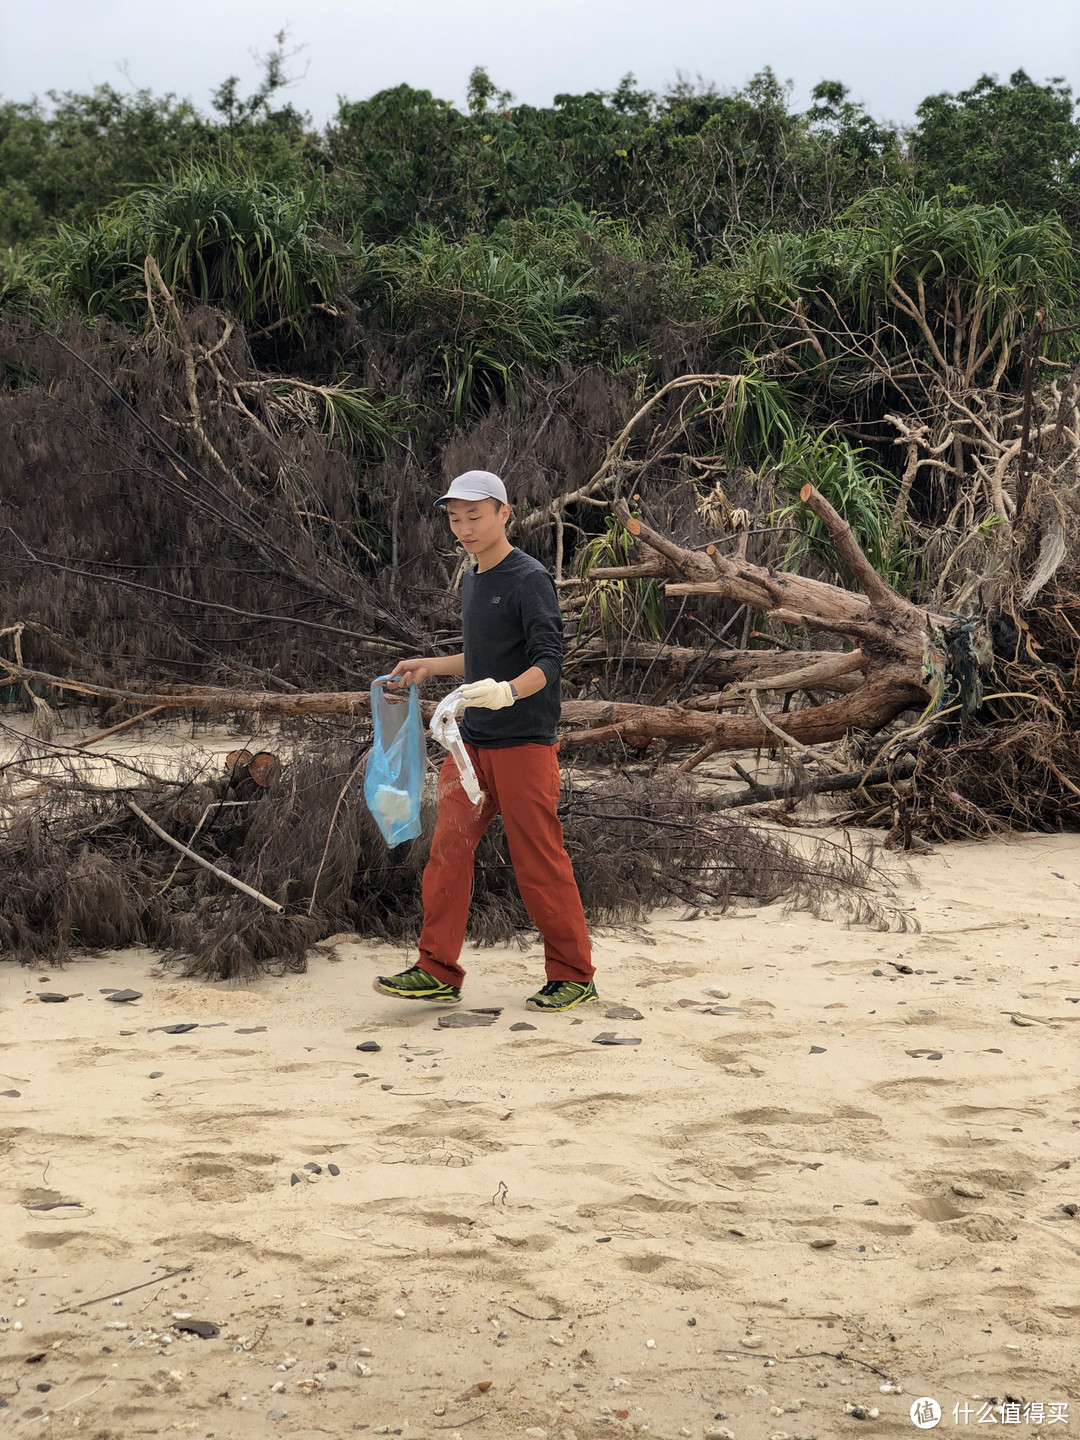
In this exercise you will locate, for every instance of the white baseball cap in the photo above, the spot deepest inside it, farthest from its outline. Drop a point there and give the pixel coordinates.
(475, 485)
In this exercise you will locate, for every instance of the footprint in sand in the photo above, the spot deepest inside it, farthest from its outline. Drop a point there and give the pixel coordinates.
(222, 1181)
(51, 1239)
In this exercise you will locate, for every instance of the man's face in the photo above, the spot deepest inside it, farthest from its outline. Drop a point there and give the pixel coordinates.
(477, 524)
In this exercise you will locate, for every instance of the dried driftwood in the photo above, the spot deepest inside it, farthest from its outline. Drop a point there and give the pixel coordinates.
(889, 633)
(190, 854)
(878, 679)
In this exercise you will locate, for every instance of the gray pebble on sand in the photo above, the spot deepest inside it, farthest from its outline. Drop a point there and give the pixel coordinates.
(623, 1012)
(459, 1020)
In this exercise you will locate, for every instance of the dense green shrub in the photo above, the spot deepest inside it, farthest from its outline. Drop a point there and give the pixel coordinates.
(218, 238)
(418, 276)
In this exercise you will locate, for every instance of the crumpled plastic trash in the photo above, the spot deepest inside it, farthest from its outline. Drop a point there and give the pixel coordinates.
(391, 806)
(444, 729)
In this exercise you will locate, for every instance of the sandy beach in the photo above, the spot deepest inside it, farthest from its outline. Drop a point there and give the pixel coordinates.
(533, 1234)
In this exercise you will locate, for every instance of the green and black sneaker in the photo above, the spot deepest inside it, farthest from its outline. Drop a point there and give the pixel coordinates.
(561, 995)
(417, 984)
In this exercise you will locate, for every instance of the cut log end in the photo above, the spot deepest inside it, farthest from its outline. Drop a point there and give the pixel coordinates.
(633, 525)
(805, 493)
(264, 769)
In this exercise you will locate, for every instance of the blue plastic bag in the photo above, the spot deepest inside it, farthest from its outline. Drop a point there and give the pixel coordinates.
(394, 779)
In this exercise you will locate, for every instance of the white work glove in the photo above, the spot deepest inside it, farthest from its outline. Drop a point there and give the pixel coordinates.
(489, 694)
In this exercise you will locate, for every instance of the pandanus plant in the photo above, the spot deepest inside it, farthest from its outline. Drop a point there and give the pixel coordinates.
(254, 248)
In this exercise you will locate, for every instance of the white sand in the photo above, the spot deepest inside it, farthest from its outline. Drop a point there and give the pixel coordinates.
(482, 1172)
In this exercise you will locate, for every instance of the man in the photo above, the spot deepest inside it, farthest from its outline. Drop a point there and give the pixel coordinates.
(512, 661)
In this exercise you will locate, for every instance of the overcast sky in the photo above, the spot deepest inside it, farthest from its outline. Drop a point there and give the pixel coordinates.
(890, 55)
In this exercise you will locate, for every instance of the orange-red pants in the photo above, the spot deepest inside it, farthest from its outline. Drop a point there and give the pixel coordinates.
(520, 782)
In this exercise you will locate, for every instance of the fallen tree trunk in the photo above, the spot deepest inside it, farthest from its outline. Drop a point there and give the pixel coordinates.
(791, 598)
(891, 635)
(724, 667)
(879, 679)
(839, 670)
(868, 708)
(642, 722)
(756, 794)
(211, 699)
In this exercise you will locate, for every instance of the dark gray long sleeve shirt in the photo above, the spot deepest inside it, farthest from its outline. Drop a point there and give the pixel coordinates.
(510, 619)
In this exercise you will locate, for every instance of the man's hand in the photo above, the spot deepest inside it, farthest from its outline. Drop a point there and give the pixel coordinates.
(409, 672)
(489, 694)
(412, 672)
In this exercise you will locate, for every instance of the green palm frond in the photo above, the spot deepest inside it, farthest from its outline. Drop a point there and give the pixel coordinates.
(931, 283)
(20, 280)
(627, 607)
(362, 421)
(232, 240)
(480, 308)
(762, 418)
(858, 489)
